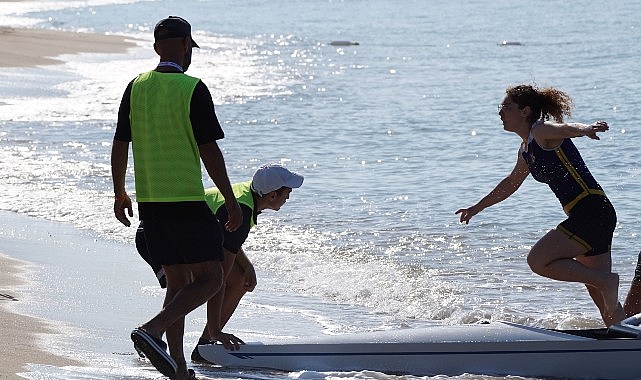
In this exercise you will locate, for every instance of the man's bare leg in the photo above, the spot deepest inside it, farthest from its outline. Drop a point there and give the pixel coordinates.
(632, 304)
(214, 304)
(188, 286)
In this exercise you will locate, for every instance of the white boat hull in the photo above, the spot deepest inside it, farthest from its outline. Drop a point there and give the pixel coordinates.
(498, 348)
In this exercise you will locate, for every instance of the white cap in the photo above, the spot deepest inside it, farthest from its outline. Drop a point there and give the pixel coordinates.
(272, 177)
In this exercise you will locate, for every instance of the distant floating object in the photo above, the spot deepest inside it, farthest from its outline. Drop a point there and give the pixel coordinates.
(343, 43)
(510, 43)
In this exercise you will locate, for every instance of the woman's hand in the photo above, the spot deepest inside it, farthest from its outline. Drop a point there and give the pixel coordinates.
(592, 129)
(467, 214)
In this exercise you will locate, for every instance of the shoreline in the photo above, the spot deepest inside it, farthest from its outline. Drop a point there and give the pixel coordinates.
(24, 338)
(20, 333)
(75, 305)
(23, 47)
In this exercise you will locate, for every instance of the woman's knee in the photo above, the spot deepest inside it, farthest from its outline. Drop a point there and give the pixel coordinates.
(536, 262)
(534, 265)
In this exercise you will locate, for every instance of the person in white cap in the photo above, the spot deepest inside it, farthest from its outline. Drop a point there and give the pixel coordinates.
(269, 188)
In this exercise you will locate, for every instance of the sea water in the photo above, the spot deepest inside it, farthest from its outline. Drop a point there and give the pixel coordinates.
(393, 135)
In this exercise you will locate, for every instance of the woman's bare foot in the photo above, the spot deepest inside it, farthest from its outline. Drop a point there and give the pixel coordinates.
(613, 311)
(610, 293)
(616, 317)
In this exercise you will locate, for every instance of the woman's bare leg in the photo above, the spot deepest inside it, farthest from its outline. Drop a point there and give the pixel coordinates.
(558, 257)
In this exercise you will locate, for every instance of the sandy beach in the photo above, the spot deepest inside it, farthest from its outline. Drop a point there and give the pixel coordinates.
(63, 311)
(19, 334)
(34, 47)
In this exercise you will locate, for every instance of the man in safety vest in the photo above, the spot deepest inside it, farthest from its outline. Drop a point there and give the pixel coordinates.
(169, 119)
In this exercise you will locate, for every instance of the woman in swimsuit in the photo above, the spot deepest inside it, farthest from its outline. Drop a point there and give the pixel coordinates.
(578, 249)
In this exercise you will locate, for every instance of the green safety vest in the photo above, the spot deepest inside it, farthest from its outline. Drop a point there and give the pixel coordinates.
(242, 192)
(166, 156)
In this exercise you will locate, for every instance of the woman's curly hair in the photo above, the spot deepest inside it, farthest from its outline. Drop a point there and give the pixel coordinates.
(545, 103)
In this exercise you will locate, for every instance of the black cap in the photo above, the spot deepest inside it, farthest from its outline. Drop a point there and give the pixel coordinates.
(172, 27)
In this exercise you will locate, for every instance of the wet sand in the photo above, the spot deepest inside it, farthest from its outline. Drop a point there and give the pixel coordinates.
(20, 335)
(35, 47)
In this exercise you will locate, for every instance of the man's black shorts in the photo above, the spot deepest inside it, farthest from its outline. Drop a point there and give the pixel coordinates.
(184, 242)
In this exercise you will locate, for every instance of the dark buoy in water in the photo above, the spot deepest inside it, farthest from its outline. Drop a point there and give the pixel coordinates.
(510, 43)
(343, 43)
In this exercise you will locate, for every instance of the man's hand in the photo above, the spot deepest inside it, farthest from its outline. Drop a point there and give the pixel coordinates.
(235, 215)
(122, 203)
(229, 341)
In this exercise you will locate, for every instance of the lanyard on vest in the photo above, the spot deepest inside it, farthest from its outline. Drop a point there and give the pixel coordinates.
(171, 64)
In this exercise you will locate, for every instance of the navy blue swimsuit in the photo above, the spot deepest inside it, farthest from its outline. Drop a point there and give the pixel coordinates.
(563, 169)
(591, 217)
